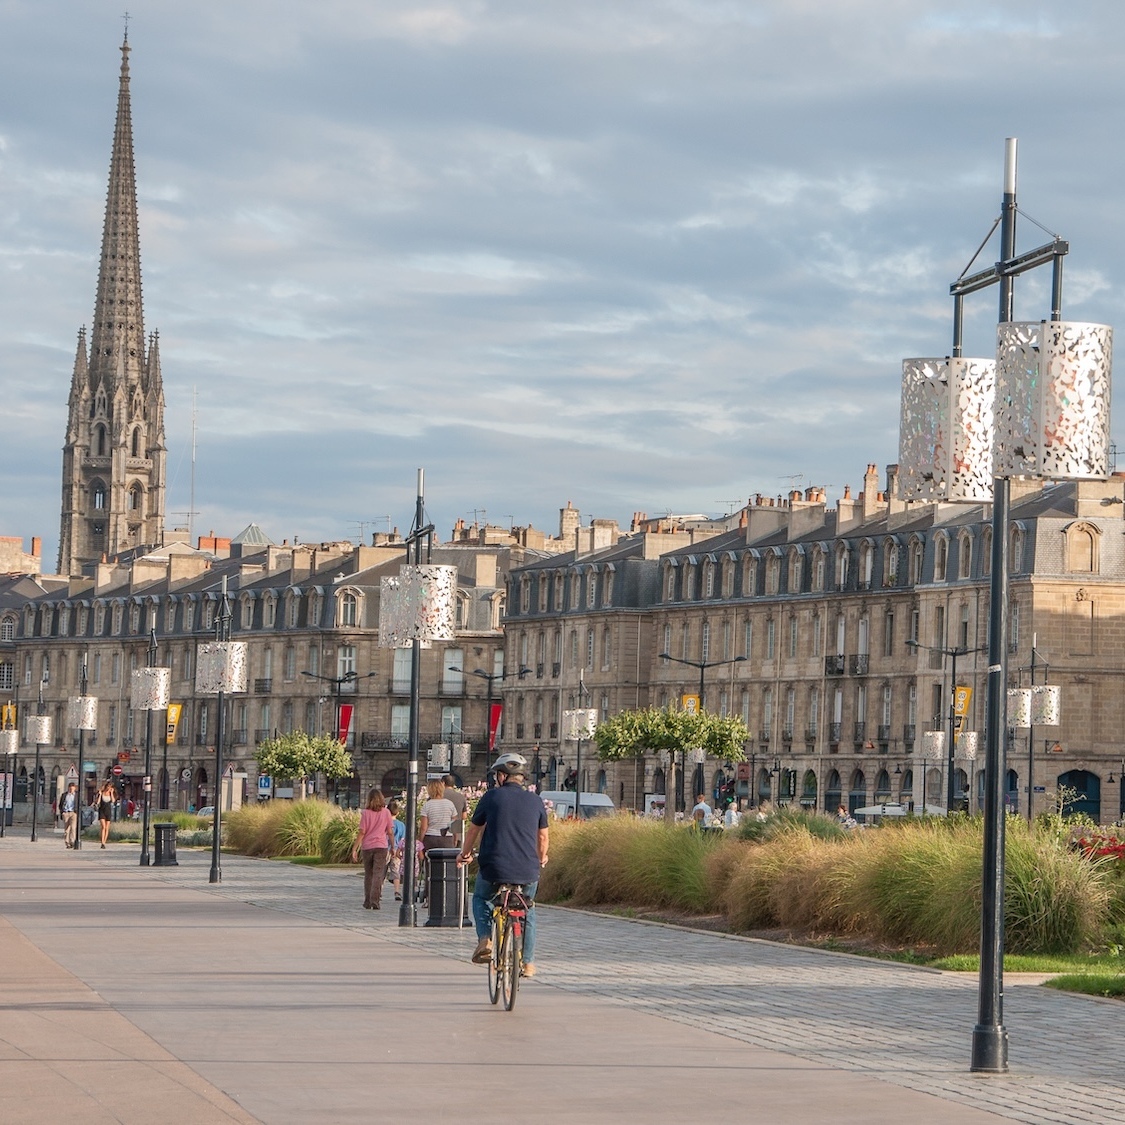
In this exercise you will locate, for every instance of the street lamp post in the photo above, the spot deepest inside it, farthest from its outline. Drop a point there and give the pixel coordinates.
(702, 665)
(9, 747)
(40, 725)
(951, 737)
(490, 678)
(337, 683)
(146, 797)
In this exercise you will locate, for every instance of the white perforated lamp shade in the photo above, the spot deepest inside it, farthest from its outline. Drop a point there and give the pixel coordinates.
(39, 729)
(221, 666)
(82, 712)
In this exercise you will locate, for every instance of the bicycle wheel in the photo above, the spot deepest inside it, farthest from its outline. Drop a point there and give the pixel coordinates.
(494, 963)
(511, 956)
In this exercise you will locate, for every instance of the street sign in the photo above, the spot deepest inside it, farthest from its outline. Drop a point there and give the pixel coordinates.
(1040, 788)
(117, 771)
(185, 774)
(89, 767)
(265, 783)
(72, 774)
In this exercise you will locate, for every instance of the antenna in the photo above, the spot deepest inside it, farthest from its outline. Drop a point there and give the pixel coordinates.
(191, 502)
(730, 505)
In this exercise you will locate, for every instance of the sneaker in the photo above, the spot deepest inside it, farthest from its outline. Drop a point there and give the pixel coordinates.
(528, 969)
(483, 951)
(398, 898)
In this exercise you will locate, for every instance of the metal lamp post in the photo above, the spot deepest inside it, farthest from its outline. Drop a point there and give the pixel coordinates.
(221, 667)
(9, 748)
(82, 716)
(951, 736)
(702, 665)
(150, 689)
(1039, 410)
(39, 731)
(491, 678)
(416, 608)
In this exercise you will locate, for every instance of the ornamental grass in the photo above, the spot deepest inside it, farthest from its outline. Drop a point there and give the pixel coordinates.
(338, 836)
(916, 882)
(254, 829)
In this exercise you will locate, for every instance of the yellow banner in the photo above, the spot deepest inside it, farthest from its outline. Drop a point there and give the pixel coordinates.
(962, 699)
(174, 710)
(8, 716)
(690, 703)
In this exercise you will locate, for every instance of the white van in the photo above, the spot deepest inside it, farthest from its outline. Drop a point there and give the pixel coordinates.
(593, 804)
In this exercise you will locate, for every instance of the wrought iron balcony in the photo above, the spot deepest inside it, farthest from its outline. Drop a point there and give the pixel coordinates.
(859, 663)
(834, 731)
(860, 732)
(908, 732)
(834, 665)
(884, 732)
(263, 686)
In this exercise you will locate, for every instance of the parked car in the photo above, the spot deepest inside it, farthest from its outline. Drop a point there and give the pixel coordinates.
(207, 810)
(592, 804)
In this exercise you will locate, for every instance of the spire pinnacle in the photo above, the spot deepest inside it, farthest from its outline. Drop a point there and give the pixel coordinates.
(118, 326)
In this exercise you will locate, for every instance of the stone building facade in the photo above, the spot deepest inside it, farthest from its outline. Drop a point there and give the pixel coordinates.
(802, 616)
(310, 616)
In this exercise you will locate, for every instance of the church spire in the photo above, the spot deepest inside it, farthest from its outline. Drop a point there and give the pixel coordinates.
(118, 329)
(114, 456)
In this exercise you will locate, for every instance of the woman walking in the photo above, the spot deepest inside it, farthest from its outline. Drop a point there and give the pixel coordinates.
(375, 838)
(438, 815)
(106, 796)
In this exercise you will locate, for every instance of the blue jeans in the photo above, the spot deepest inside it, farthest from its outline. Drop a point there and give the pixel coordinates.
(482, 914)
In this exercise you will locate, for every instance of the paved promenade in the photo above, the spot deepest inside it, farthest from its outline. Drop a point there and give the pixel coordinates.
(141, 995)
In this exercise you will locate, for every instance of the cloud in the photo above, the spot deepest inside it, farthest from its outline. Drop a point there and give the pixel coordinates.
(641, 254)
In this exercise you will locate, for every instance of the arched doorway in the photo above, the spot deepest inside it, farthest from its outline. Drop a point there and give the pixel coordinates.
(553, 773)
(200, 795)
(1012, 792)
(394, 782)
(857, 795)
(658, 781)
(832, 792)
(960, 790)
(345, 792)
(906, 789)
(600, 781)
(1087, 790)
(882, 788)
(697, 784)
(808, 790)
(765, 790)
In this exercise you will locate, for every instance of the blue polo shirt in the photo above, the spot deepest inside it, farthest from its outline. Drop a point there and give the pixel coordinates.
(509, 849)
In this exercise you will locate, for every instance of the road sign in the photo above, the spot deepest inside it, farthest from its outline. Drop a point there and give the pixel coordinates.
(117, 771)
(265, 783)
(185, 774)
(72, 773)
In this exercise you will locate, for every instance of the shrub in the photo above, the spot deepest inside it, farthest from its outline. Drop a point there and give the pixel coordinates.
(301, 826)
(338, 836)
(253, 829)
(785, 819)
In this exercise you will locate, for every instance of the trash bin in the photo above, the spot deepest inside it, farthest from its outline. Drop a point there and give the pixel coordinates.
(446, 887)
(165, 846)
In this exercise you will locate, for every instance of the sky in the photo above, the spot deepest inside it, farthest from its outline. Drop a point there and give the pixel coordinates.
(635, 255)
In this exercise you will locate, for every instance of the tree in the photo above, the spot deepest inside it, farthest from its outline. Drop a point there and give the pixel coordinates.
(631, 733)
(299, 756)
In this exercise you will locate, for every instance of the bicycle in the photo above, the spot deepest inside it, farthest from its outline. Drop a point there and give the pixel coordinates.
(509, 917)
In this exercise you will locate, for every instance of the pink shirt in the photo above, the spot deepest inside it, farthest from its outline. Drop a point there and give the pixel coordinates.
(376, 829)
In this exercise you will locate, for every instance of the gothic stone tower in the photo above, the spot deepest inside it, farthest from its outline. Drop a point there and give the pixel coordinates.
(114, 456)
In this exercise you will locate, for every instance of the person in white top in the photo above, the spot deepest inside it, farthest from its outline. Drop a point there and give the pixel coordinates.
(438, 815)
(701, 812)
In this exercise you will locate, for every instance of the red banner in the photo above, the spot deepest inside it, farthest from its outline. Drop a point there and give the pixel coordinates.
(494, 725)
(346, 710)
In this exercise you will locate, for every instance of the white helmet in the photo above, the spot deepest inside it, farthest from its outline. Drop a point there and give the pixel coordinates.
(514, 765)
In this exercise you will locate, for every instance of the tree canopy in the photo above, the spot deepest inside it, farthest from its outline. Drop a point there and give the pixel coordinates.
(630, 733)
(298, 755)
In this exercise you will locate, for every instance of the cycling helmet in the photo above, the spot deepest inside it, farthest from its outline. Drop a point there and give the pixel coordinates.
(510, 764)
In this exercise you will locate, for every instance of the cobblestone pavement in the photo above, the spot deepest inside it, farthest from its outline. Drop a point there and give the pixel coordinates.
(907, 1026)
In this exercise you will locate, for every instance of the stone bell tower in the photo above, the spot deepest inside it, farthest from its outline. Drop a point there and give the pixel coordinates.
(114, 457)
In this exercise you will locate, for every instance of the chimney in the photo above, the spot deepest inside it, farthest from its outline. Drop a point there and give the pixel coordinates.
(36, 546)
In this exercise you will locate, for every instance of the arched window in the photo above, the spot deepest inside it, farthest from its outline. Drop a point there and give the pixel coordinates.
(890, 563)
(1081, 549)
(986, 551)
(941, 558)
(818, 570)
(136, 499)
(136, 447)
(917, 557)
(97, 494)
(866, 565)
(795, 574)
(965, 556)
(1015, 561)
(841, 566)
(773, 574)
(348, 609)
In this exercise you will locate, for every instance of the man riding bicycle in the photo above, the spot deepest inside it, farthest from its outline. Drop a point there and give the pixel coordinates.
(513, 824)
